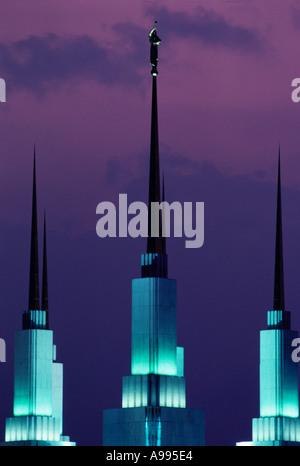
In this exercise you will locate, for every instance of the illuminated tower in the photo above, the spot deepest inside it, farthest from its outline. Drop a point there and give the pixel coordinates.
(279, 422)
(38, 379)
(154, 409)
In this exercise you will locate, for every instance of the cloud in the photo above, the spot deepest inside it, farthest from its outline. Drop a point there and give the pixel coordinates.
(208, 27)
(40, 64)
(44, 63)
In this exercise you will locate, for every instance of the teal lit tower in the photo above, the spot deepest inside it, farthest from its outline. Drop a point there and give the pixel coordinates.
(38, 379)
(154, 411)
(279, 422)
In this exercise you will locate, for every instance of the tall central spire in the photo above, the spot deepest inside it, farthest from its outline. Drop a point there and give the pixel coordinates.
(154, 243)
(154, 262)
(34, 295)
(279, 281)
(154, 411)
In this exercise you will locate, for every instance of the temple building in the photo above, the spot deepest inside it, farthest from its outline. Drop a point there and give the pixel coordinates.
(38, 379)
(154, 411)
(279, 422)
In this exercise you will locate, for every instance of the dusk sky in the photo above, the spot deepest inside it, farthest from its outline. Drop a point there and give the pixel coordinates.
(79, 89)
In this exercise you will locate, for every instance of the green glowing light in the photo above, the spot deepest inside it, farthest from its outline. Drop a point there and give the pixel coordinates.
(154, 326)
(278, 375)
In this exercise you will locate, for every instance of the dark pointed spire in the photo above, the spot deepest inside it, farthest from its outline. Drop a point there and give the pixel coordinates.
(34, 297)
(154, 244)
(279, 281)
(154, 262)
(45, 278)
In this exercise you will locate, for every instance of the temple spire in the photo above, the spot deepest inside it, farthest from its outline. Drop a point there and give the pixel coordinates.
(279, 281)
(34, 297)
(154, 244)
(45, 278)
(154, 262)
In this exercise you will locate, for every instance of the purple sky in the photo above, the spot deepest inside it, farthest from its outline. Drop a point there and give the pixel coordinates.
(79, 87)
